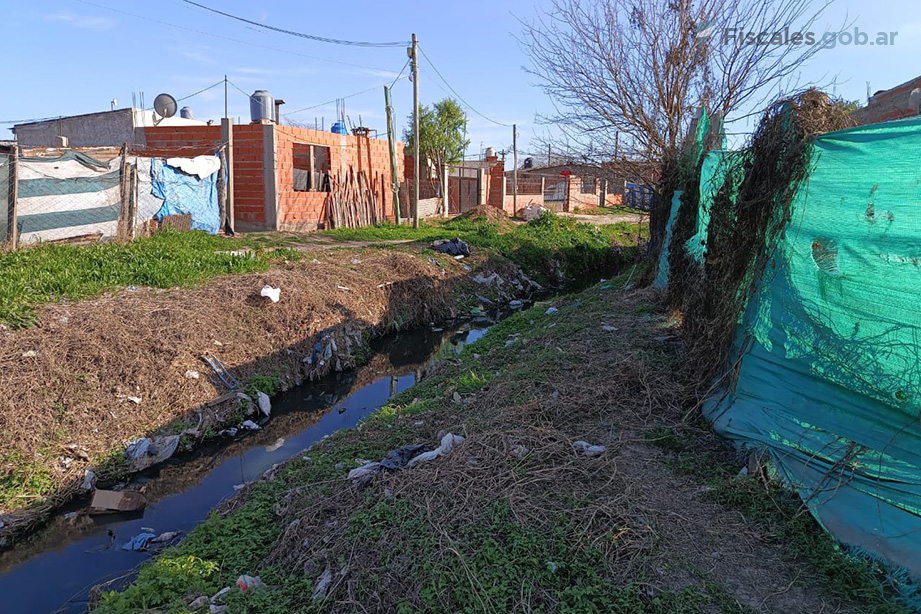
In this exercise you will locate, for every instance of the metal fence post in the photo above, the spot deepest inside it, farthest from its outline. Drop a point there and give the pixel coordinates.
(12, 220)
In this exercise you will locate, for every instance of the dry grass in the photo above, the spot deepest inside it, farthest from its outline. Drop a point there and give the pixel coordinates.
(71, 376)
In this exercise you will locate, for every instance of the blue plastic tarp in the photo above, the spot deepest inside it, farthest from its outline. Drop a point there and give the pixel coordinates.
(186, 194)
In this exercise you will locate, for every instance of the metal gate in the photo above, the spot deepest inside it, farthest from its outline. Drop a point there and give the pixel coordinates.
(464, 189)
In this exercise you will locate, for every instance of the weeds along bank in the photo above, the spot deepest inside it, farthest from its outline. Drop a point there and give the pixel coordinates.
(516, 517)
(91, 375)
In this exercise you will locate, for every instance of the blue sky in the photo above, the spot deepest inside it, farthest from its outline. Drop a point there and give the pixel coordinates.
(74, 56)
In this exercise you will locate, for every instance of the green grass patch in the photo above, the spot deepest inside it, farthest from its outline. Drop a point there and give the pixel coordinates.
(780, 514)
(541, 247)
(618, 210)
(168, 259)
(23, 480)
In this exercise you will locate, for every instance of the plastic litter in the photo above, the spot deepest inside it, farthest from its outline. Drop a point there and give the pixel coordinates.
(200, 603)
(515, 304)
(246, 583)
(452, 247)
(168, 536)
(476, 311)
(608, 328)
(586, 449)
(265, 404)
(532, 212)
(218, 595)
(322, 585)
(551, 311)
(403, 458)
(143, 453)
(30, 354)
(138, 542)
(137, 448)
(447, 444)
(218, 609)
(492, 278)
(89, 480)
(272, 293)
(192, 374)
(397, 459)
(519, 451)
(279, 443)
(484, 300)
(250, 425)
(135, 400)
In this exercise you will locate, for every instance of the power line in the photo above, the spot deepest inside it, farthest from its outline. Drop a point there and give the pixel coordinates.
(370, 89)
(46, 119)
(221, 82)
(226, 38)
(461, 98)
(400, 74)
(313, 37)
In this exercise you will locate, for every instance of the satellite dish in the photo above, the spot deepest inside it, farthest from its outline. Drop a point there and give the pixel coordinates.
(165, 105)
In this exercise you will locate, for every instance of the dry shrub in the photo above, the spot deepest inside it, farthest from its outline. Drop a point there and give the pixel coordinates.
(742, 235)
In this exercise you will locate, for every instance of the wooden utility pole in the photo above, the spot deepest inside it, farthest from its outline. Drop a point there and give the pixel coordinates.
(391, 140)
(225, 95)
(12, 231)
(227, 167)
(414, 57)
(124, 193)
(515, 171)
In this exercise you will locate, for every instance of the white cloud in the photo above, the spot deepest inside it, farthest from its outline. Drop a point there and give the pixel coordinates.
(86, 22)
(197, 54)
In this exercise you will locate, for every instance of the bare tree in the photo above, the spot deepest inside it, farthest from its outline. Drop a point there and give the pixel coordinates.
(628, 76)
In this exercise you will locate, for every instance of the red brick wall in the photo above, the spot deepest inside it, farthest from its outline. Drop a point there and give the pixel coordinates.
(182, 140)
(494, 184)
(248, 168)
(249, 173)
(305, 210)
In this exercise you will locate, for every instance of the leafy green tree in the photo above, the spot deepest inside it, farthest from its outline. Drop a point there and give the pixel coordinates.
(442, 143)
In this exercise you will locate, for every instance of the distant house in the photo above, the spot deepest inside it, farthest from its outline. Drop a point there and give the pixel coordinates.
(282, 175)
(573, 186)
(897, 103)
(103, 129)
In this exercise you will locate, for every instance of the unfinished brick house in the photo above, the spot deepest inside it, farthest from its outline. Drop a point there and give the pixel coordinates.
(282, 175)
(897, 103)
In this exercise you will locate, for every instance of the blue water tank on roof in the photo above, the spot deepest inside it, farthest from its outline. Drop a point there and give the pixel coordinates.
(339, 128)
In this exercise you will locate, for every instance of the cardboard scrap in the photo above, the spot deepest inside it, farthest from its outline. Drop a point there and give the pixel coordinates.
(109, 501)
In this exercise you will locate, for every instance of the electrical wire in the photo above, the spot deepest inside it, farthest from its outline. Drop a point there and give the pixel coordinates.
(400, 74)
(370, 89)
(221, 82)
(46, 119)
(227, 38)
(461, 98)
(313, 37)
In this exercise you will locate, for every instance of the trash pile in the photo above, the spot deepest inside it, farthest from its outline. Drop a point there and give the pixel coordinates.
(403, 458)
(452, 247)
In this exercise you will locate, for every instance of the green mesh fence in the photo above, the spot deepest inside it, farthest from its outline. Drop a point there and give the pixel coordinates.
(829, 373)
